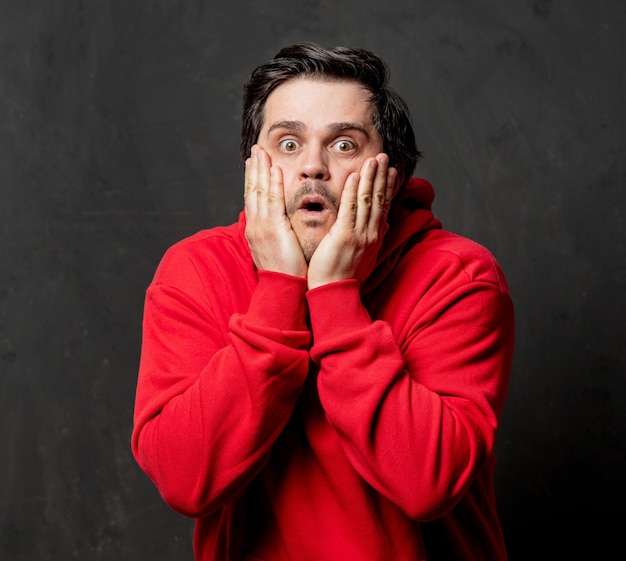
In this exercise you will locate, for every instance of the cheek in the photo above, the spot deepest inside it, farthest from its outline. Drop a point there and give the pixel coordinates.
(289, 179)
(290, 186)
(342, 172)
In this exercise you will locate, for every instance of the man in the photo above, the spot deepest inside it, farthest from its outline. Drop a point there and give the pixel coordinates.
(323, 379)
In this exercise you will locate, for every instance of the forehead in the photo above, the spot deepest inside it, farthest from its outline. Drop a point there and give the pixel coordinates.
(318, 102)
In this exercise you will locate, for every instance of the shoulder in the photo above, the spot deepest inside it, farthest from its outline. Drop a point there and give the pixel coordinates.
(205, 254)
(204, 241)
(448, 254)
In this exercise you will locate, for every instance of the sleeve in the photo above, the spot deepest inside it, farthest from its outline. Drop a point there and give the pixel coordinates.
(416, 405)
(213, 395)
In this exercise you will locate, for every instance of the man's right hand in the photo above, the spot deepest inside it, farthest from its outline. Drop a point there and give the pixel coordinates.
(273, 243)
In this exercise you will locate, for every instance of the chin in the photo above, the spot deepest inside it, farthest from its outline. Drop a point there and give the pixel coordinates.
(308, 249)
(308, 244)
(310, 235)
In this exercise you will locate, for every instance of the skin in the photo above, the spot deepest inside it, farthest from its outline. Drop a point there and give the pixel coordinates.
(317, 184)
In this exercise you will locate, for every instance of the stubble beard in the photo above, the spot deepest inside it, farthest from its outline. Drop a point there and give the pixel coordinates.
(309, 241)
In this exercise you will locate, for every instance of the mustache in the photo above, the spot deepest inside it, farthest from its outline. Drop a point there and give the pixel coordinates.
(309, 188)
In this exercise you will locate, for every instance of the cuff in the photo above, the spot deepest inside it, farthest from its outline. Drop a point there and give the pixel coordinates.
(336, 308)
(279, 300)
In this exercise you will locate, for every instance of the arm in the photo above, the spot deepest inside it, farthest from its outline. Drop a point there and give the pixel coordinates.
(416, 399)
(217, 382)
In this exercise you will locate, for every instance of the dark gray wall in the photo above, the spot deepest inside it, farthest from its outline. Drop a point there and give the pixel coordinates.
(119, 129)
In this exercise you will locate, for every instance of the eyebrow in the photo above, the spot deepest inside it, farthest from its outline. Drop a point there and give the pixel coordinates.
(339, 127)
(290, 125)
(335, 127)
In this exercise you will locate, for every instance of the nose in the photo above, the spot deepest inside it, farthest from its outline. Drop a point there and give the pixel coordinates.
(314, 164)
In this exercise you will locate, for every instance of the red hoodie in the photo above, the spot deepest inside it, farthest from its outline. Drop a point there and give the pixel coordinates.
(345, 423)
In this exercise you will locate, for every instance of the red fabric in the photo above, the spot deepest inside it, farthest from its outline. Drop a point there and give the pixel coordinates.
(299, 425)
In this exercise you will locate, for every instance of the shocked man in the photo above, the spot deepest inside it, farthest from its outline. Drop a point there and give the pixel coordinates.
(323, 379)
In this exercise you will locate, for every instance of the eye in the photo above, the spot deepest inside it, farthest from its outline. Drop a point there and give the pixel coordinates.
(344, 146)
(289, 145)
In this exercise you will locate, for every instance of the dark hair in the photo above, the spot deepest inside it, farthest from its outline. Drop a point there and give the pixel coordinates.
(391, 115)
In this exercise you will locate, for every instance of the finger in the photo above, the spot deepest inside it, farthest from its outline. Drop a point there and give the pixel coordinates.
(250, 180)
(347, 213)
(392, 177)
(365, 193)
(379, 194)
(276, 193)
(262, 181)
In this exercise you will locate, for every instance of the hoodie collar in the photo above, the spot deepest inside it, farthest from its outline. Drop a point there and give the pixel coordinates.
(410, 214)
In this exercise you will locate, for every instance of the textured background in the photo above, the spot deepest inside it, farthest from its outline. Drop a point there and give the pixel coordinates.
(119, 135)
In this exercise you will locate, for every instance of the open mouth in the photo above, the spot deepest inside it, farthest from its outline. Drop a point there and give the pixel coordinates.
(313, 201)
(313, 204)
(314, 207)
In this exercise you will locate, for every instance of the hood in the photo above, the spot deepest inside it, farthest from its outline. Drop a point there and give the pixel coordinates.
(410, 214)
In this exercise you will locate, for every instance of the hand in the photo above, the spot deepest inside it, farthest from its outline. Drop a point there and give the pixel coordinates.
(273, 243)
(350, 248)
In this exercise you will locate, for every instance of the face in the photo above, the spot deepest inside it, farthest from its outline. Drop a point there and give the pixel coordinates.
(318, 133)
